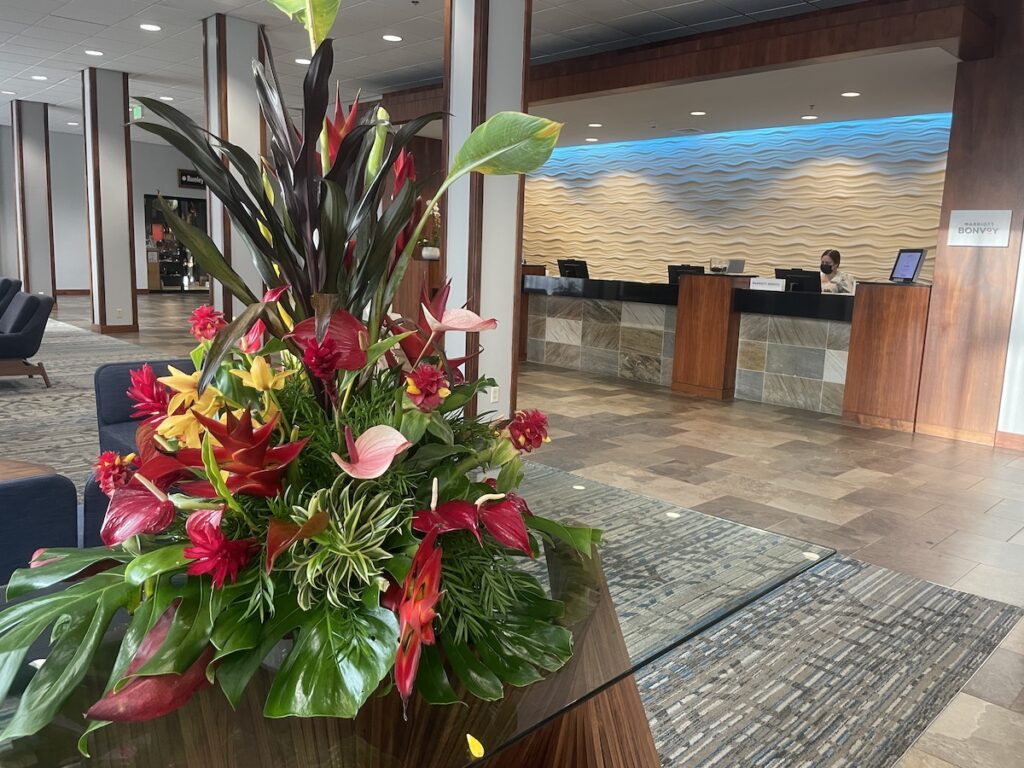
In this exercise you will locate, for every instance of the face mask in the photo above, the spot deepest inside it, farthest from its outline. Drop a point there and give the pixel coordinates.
(827, 268)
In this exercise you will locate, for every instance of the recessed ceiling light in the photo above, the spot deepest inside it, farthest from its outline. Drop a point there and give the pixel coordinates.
(392, 38)
(150, 27)
(592, 140)
(39, 77)
(303, 62)
(166, 98)
(93, 53)
(698, 113)
(850, 94)
(595, 125)
(72, 123)
(8, 93)
(808, 117)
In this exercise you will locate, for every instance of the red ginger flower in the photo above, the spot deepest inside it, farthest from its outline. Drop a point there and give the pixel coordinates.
(416, 612)
(528, 430)
(212, 552)
(113, 471)
(206, 322)
(427, 387)
(349, 336)
(323, 358)
(255, 467)
(150, 395)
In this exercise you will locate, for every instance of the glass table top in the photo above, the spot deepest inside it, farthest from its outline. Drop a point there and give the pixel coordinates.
(663, 574)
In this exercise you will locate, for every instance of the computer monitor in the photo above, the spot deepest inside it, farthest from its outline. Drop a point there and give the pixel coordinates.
(908, 265)
(800, 280)
(736, 266)
(676, 271)
(573, 268)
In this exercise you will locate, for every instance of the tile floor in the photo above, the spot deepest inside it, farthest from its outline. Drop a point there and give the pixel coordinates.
(949, 512)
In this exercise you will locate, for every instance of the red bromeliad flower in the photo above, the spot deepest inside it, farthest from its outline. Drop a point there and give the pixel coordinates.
(150, 696)
(528, 430)
(323, 358)
(212, 552)
(427, 387)
(206, 322)
(349, 336)
(416, 612)
(252, 342)
(150, 395)
(113, 471)
(255, 467)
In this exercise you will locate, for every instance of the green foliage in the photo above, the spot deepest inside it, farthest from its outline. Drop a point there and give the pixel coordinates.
(317, 16)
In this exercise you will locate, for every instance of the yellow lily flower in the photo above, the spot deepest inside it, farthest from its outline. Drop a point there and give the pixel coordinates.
(184, 427)
(261, 376)
(186, 389)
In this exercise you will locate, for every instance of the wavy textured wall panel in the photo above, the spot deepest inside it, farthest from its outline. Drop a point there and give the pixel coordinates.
(777, 197)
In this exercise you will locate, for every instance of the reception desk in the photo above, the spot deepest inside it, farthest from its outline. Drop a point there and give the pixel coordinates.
(712, 336)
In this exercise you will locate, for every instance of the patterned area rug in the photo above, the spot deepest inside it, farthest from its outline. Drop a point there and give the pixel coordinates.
(57, 426)
(671, 571)
(845, 665)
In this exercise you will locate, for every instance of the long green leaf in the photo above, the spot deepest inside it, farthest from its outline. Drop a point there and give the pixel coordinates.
(431, 679)
(226, 340)
(317, 16)
(159, 561)
(66, 563)
(474, 674)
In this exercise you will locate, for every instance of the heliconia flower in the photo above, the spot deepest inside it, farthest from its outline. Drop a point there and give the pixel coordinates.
(149, 394)
(323, 358)
(427, 387)
(147, 697)
(113, 471)
(417, 611)
(458, 320)
(252, 342)
(212, 552)
(261, 376)
(206, 322)
(348, 334)
(371, 454)
(528, 430)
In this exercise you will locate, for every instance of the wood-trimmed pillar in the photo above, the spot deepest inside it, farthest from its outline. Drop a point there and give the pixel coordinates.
(109, 202)
(230, 45)
(487, 51)
(33, 197)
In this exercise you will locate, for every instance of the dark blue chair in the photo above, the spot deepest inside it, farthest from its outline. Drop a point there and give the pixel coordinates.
(35, 513)
(8, 288)
(22, 326)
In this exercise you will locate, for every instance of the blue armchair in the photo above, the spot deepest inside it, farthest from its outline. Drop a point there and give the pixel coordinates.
(21, 332)
(8, 288)
(37, 512)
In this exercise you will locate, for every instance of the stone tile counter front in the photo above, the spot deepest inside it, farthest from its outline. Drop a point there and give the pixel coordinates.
(794, 361)
(629, 340)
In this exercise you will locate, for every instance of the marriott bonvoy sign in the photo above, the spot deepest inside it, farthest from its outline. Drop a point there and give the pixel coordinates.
(979, 229)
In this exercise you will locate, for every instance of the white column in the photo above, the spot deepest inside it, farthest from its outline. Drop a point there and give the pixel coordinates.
(109, 207)
(233, 113)
(33, 197)
(486, 74)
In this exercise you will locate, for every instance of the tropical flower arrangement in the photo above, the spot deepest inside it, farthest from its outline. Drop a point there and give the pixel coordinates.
(322, 479)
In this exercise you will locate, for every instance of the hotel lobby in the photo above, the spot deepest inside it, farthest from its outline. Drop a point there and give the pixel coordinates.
(556, 383)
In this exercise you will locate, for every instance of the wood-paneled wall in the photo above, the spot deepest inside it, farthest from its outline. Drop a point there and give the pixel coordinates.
(776, 197)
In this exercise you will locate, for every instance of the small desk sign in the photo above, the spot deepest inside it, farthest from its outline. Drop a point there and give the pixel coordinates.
(767, 284)
(190, 179)
(979, 229)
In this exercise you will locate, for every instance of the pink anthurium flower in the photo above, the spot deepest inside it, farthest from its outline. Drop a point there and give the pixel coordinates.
(458, 320)
(370, 455)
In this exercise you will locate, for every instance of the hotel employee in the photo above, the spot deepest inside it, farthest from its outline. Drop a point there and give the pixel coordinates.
(832, 280)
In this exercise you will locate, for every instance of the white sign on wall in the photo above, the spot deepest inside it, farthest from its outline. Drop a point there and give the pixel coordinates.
(980, 229)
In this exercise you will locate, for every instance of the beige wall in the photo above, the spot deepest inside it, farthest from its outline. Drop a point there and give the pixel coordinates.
(777, 197)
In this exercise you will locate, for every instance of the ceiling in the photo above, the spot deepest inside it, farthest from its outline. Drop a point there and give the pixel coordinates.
(905, 83)
(50, 37)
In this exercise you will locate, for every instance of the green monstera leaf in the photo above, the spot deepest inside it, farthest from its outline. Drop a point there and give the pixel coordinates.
(317, 16)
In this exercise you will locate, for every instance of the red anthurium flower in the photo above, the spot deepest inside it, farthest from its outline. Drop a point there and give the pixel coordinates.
(370, 455)
(416, 613)
(427, 387)
(503, 518)
(150, 395)
(252, 342)
(152, 696)
(455, 515)
(255, 467)
(206, 322)
(135, 510)
(323, 358)
(528, 430)
(348, 334)
(113, 471)
(212, 552)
